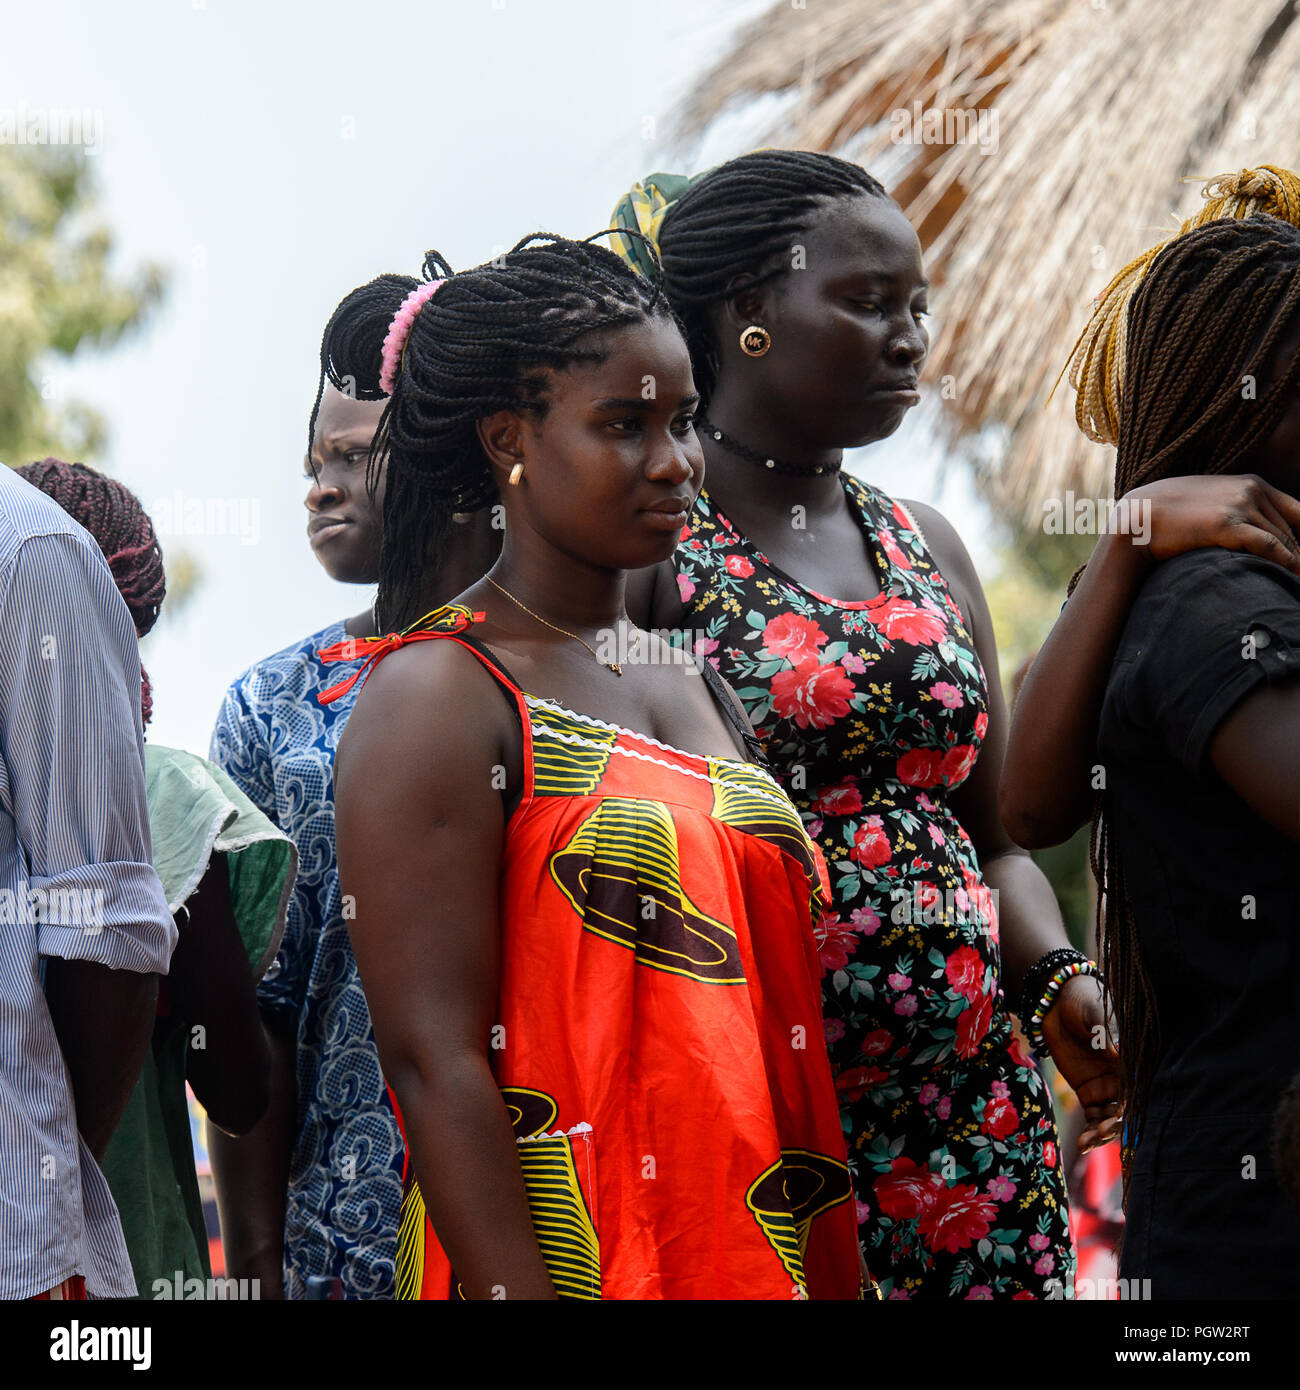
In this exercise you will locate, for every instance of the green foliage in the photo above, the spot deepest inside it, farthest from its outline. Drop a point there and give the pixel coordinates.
(56, 295)
(1025, 597)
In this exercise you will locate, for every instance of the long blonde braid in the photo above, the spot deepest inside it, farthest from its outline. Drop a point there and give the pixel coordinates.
(1096, 365)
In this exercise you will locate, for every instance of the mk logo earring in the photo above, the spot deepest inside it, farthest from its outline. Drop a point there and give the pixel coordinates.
(516, 473)
(755, 340)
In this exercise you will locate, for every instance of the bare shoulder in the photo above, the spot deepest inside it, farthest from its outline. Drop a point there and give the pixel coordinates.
(428, 705)
(652, 598)
(951, 556)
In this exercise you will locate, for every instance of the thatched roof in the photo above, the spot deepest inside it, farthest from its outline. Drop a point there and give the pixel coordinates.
(1102, 116)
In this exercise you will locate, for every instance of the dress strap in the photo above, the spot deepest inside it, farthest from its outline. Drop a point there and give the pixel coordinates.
(452, 622)
(731, 714)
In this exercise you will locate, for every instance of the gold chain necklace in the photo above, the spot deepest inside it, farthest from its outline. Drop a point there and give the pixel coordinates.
(614, 666)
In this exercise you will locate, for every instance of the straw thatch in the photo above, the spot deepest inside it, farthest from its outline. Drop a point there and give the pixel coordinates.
(1103, 111)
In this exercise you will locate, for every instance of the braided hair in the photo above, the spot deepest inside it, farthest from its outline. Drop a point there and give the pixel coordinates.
(113, 515)
(352, 345)
(741, 219)
(1202, 330)
(483, 343)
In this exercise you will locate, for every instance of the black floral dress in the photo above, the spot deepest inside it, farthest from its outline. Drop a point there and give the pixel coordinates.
(872, 713)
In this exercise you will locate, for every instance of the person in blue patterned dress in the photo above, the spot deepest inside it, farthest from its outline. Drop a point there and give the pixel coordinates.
(314, 1192)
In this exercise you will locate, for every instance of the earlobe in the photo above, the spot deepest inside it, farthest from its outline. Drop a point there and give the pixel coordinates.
(745, 304)
(502, 440)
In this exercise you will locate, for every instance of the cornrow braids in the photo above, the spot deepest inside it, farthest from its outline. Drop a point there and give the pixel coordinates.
(741, 219)
(352, 344)
(114, 516)
(1203, 389)
(483, 343)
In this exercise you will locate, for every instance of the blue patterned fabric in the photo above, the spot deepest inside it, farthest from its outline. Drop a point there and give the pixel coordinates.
(345, 1177)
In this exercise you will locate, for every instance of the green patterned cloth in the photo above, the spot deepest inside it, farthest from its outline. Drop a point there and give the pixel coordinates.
(643, 209)
(195, 811)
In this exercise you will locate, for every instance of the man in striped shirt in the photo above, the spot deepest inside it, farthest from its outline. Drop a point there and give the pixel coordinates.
(84, 926)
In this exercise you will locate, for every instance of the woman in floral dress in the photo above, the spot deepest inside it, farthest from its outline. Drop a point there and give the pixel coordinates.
(801, 289)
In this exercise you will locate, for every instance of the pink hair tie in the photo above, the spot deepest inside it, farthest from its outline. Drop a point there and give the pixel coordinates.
(398, 332)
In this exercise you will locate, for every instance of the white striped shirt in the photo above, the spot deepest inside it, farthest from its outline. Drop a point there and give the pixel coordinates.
(76, 875)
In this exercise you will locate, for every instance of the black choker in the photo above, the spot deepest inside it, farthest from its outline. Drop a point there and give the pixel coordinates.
(732, 446)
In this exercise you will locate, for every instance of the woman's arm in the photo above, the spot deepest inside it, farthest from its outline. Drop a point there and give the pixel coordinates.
(251, 1173)
(421, 827)
(1028, 914)
(652, 599)
(1046, 786)
(1256, 750)
(212, 989)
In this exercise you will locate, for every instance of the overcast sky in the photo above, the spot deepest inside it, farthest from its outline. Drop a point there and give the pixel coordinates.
(274, 155)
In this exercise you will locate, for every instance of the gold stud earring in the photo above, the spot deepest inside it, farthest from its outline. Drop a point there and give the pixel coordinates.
(516, 473)
(755, 340)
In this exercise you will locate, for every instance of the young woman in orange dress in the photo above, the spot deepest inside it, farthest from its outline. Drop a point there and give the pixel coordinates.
(584, 915)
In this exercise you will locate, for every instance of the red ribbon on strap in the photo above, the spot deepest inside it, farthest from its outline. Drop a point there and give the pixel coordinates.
(442, 622)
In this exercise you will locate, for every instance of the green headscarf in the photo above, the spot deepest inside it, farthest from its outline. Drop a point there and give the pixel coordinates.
(643, 209)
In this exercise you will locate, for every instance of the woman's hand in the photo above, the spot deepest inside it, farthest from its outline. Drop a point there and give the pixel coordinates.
(1075, 1031)
(1233, 511)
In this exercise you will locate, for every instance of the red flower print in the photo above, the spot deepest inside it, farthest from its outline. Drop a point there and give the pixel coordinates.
(842, 799)
(870, 843)
(1000, 1119)
(922, 767)
(907, 1189)
(958, 1217)
(890, 546)
(981, 724)
(877, 1042)
(957, 762)
(738, 565)
(1049, 1154)
(811, 695)
(795, 638)
(972, 1026)
(947, 694)
(835, 942)
(965, 971)
(900, 516)
(855, 1082)
(1022, 1295)
(904, 621)
(864, 918)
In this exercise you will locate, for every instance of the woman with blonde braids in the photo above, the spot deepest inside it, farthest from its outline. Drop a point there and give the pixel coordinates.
(1196, 837)
(1046, 791)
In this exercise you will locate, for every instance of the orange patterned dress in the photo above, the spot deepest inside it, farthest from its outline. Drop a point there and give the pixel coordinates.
(659, 1041)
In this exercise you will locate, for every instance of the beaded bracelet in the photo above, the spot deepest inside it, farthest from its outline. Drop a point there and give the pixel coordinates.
(1036, 977)
(1034, 1024)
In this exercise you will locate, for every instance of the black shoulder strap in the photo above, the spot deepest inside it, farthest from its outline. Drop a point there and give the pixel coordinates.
(498, 669)
(727, 704)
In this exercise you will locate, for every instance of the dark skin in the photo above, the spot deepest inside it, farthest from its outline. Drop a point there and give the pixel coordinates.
(1046, 785)
(344, 530)
(415, 782)
(103, 1020)
(849, 341)
(212, 987)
